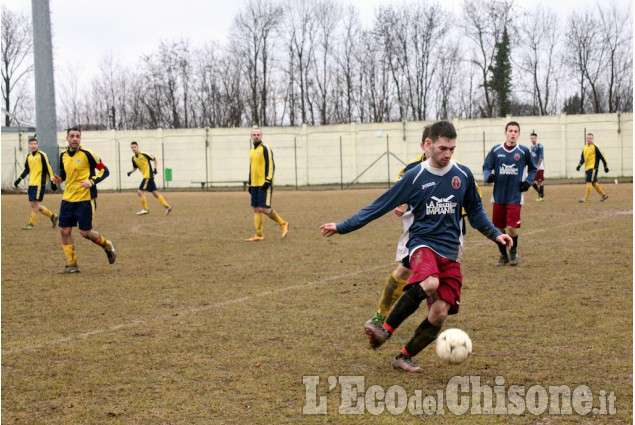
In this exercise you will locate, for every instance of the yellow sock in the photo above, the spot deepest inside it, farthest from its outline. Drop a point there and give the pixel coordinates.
(45, 211)
(391, 293)
(102, 242)
(163, 202)
(144, 202)
(597, 187)
(587, 192)
(69, 251)
(275, 217)
(258, 218)
(32, 218)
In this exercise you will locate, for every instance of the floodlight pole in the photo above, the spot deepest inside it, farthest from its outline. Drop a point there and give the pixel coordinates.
(45, 117)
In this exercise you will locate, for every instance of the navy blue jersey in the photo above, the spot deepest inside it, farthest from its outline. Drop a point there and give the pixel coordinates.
(436, 197)
(509, 168)
(537, 152)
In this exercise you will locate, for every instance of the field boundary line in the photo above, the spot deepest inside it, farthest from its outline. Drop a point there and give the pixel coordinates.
(181, 313)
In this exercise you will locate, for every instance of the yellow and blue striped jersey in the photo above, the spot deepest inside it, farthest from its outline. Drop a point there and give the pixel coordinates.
(591, 157)
(38, 167)
(76, 167)
(142, 162)
(261, 165)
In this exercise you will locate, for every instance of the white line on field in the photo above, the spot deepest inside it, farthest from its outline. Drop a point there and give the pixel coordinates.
(180, 313)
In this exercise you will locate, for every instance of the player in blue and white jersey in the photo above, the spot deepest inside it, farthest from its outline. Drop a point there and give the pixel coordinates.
(505, 167)
(436, 191)
(538, 156)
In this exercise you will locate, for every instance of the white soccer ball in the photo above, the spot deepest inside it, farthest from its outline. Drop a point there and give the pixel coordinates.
(454, 346)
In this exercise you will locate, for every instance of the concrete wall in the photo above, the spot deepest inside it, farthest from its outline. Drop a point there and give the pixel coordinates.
(334, 154)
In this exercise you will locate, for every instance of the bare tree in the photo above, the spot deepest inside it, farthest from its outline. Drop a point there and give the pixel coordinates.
(17, 64)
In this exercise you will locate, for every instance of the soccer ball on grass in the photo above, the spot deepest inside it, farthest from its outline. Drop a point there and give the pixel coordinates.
(454, 346)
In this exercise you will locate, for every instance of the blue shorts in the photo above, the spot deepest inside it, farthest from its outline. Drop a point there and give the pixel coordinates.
(261, 198)
(72, 213)
(591, 175)
(36, 193)
(148, 185)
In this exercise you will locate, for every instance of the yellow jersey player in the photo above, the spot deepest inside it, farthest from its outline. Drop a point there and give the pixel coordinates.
(82, 170)
(143, 162)
(261, 171)
(38, 167)
(591, 157)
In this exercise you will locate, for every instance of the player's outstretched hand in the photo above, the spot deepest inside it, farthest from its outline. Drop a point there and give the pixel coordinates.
(524, 186)
(328, 229)
(578, 167)
(491, 178)
(17, 182)
(155, 171)
(506, 240)
(53, 187)
(56, 179)
(129, 172)
(606, 169)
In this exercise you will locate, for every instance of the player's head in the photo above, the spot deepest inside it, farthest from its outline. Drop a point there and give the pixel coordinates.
(256, 135)
(533, 137)
(73, 137)
(440, 143)
(33, 143)
(135, 147)
(589, 138)
(512, 132)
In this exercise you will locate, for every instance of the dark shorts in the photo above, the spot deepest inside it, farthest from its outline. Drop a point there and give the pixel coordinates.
(261, 198)
(425, 262)
(540, 176)
(148, 185)
(506, 215)
(36, 193)
(74, 213)
(591, 175)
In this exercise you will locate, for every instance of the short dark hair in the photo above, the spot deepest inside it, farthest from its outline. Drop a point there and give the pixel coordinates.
(134, 143)
(34, 137)
(68, 130)
(533, 133)
(426, 132)
(514, 123)
(442, 129)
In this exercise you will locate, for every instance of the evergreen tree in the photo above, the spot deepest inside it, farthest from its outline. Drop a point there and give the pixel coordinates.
(501, 80)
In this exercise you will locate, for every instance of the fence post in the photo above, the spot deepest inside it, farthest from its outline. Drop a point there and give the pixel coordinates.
(388, 157)
(341, 166)
(295, 159)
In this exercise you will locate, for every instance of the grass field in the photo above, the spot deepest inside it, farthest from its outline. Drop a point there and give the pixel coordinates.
(192, 325)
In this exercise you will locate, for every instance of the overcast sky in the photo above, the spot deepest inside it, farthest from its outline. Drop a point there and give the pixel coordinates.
(86, 30)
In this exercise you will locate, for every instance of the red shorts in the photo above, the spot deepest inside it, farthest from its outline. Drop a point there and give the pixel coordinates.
(425, 262)
(540, 176)
(506, 215)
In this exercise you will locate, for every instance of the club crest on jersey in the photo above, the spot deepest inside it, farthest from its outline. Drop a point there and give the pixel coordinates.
(517, 157)
(456, 182)
(441, 206)
(509, 170)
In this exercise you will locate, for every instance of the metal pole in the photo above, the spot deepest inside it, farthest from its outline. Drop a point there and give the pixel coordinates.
(118, 165)
(341, 167)
(295, 158)
(388, 157)
(206, 147)
(163, 161)
(45, 117)
(484, 151)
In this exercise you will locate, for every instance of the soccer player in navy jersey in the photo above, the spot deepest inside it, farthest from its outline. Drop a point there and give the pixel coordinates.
(505, 167)
(538, 156)
(436, 191)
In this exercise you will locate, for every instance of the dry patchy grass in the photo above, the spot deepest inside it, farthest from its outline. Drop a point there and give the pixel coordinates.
(192, 325)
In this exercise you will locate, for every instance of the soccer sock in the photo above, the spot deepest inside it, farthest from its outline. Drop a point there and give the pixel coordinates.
(69, 251)
(45, 211)
(424, 335)
(161, 199)
(502, 248)
(258, 218)
(405, 306)
(515, 247)
(275, 217)
(144, 202)
(393, 285)
(597, 187)
(102, 242)
(535, 186)
(32, 218)
(587, 192)
(542, 191)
